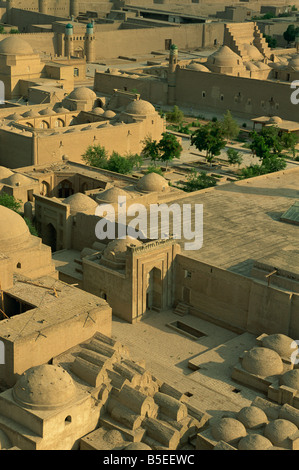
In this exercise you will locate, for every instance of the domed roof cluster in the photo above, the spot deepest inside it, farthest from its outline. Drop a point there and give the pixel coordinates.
(152, 182)
(16, 179)
(254, 442)
(99, 111)
(109, 114)
(253, 52)
(5, 172)
(15, 45)
(30, 113)
(118, 247)
(82, 93)
(279, 430)
(262, 361)
(290, 379)
(47, 112)
(228, 430)
(79, 202)
(252, 417)
(14, 231)
(140, 107)
(44, 387)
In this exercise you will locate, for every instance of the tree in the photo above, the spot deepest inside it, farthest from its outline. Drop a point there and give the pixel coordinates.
(10, 202)
(234, 157)
(271, 41)
(123, 165)
(169, 147)
(290, 34)
(266, 142)
(198, 180)
(154, 169)
(176, 115)
(230, 127)
(289, 142)
(151, 149)
(209, 137)
(96, 156)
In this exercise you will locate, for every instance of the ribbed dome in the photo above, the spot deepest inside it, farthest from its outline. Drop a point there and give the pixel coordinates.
(225, 57)
(152, 182)
(282, 344)
(79, 202)
(5, 172)
(140, 107)
(112, 194)
(228, 430)
(290, 379)
(82, 93)
(279, 430)
(44, 387)
(13, 230)
(263, 362)
(252, 417)
(16, 179)
(254, 442)
(16, 46)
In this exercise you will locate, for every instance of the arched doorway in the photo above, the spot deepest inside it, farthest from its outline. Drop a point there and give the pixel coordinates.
(65, 189)
(45, 189)
(50, 236)
(154, 290)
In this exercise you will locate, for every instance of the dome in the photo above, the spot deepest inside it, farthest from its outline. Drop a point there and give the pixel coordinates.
(5, 172)
(98, 111)
(137, 446)
(282, 344)
(294, 62)
(290, 379)
(140, 107)
(16, 179)
(251, 66)
(82, 93)
(79, 202)
(225, 57)
(254, 442)
(228, 430)
(113, 437)
(47, 111)
(262, 66)
(112, 194)
(44, 387)
(262, 361)
(279, 430)
(13, 230)
(152, 182)
(118, 247)
(14, 45)
(62, 110)
(30, 113)
(14, 117)
(69, 26)
(253, 52)
(252, 417)
(198, 67)
(109, 114)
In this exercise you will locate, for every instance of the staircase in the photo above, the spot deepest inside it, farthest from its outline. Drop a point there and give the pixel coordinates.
(238, 34)
(181, 309)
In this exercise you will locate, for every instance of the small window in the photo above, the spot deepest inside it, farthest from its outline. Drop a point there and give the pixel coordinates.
(187, 274)
(203, 94)
(19, 265)
(68, 419)
(221, 97)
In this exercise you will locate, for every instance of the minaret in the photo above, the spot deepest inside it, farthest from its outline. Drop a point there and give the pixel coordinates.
(173, 61)
(89, 43)
(69, 40)
(43, 6)
(9, 6)
(74, 8)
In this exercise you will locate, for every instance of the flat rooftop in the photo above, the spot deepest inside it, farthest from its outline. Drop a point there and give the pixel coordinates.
(241, 222)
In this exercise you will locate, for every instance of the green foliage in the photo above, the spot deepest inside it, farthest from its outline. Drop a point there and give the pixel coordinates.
(290, 34)
(96, 156)
(31, 227)
(289, 141)
(154, 169)
(234, 157)
(169, 147)
(210, 138)
(176, 115)
(151, 149)
(230, 127)
(10, 202)
(214, 119)
(272, 42)
(184, 129)
(266, 142)
(14, 31)
(199, 180)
